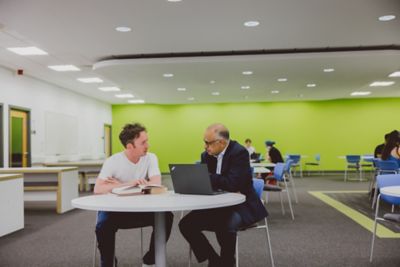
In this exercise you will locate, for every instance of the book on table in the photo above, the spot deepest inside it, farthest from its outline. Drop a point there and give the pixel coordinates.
(132, 190)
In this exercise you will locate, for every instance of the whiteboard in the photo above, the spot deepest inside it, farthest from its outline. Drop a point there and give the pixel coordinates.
(61, 135)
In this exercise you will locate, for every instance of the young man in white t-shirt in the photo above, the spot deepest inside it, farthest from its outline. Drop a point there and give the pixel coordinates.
(132, 166)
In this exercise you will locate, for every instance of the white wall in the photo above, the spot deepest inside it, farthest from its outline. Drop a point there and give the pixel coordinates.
(43, 98)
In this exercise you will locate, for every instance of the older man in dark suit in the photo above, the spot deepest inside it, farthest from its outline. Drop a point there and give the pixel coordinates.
(229, 168)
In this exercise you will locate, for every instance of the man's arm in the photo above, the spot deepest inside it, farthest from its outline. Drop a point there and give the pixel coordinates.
(156, 179)
(237, 175)
(104, 186)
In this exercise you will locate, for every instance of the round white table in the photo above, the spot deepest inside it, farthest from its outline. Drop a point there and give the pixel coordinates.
(262, 164)
(159, 204)
(393, 191)
(261, 170)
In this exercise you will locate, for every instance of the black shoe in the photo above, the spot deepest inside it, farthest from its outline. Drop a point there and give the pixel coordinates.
(214, 262)
(115, 262)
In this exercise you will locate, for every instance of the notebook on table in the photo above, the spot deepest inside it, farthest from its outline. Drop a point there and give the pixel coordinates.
(191, 179)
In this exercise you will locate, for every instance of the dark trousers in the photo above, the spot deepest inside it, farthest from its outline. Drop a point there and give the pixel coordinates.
(225, 222)
(108, 224)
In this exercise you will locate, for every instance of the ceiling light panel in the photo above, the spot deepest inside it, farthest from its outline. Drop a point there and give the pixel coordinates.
(247, 72)
(64, 68)
(27, 51)
(124, 96)
(90, 80)
(387, 17)
(360, 93)
(381, 83)
(109, 89)
(251, 23)
(395, 74)
(136, 101)
(123, 29)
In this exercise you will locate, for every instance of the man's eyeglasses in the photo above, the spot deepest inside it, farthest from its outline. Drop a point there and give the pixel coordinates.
(209, 143)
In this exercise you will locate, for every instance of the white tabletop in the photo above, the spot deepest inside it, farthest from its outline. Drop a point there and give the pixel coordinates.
(37, 169)
(393, 191)
(262, 164)
(261, 170)
(157, 203)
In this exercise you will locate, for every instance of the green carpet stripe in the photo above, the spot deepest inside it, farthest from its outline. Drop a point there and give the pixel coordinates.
(356, 216)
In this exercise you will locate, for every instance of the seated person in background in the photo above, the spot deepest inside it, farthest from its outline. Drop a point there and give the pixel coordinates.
(392, 147)
(250, 149)
(229, 168)
(133, 166)
(273, 154)
(379, 148)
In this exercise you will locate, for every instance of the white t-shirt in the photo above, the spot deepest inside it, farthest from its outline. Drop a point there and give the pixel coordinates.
(120, 167)
(251, 149)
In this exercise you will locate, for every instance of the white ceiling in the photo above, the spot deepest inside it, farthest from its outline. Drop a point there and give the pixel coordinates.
(83, 33)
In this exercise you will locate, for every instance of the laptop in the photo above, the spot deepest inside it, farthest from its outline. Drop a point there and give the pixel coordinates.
(191, 179)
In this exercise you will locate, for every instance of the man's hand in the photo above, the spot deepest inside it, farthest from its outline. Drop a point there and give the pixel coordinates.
(140, 182)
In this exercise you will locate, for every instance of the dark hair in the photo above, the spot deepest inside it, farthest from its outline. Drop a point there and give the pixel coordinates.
(224, 134)
(130, 132)
(392, 142)
(247, 140)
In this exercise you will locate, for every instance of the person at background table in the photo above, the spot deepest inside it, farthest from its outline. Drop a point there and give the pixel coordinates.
(249, 147)
(229, 168)
(392, 147)
(273, 154)
(133, 166)
(379, 148)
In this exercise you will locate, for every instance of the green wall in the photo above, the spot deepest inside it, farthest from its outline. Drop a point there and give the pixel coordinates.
(331, 128)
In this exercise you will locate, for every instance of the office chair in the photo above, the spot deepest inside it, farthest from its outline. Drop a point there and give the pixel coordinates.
(258, 185)
(384, 181)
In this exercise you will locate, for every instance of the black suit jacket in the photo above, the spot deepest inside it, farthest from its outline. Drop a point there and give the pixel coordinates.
(236, 176)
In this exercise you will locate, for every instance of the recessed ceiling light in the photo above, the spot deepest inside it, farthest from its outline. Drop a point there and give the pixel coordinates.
(64, 68)
(181, 89)
(190, 98)
(212, 82)
(275, 92)
(251, 23)
(109, 89)
(387, 17)
(381, 83)
(329, 70)
(247, 72)
(174, 1)
(215, 93)
(136, 101)
(360, 93)
(282, 80)
(168, 75)
(123, 29)
(395, 74)
(245, 87)
(27, 51)
(124, 96)
(311, 85)
(90, 80)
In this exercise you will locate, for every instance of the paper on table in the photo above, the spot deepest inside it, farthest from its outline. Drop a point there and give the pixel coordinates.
(139, 189)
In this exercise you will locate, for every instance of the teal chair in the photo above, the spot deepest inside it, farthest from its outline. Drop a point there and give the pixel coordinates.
(315, 163)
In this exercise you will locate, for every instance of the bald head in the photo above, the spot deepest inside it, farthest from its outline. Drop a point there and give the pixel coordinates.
(216, 138)
(219, 131)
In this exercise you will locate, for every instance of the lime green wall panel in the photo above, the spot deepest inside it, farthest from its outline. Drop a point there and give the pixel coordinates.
(332, 128)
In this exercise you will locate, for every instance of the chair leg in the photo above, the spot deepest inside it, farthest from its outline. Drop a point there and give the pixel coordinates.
(374, 198)
(237, 249)
(94, 251)
(190, 256)
(269, 243)
(141, 242)
(345, 174)
(375, 226)
(289, 200)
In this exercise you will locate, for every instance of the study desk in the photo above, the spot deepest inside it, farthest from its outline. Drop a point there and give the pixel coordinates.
(85, 167)
(159, 203)
(48, 184)
(393, 191)
(11, 203)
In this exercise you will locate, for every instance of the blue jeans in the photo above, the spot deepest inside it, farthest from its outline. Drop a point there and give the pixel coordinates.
(225, 222)
(108, 224)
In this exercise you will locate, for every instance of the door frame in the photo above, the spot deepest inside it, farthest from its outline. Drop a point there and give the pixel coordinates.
(1, 137)
(28, 134)
(104, 138)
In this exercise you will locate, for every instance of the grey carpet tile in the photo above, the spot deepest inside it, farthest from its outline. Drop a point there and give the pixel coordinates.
(319, 236)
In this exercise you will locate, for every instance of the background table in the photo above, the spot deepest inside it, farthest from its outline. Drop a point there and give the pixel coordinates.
(159, 204)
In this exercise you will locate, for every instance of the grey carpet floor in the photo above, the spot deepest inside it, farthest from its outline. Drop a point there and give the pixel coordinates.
(319, 236)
